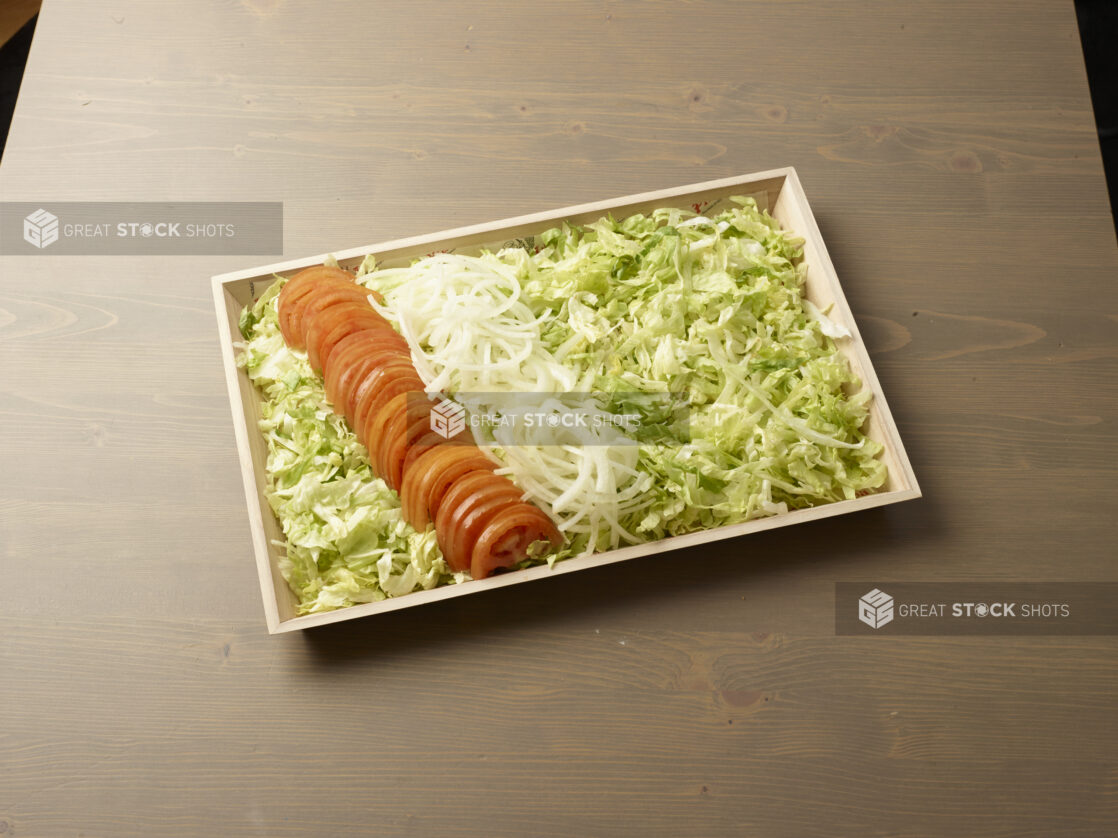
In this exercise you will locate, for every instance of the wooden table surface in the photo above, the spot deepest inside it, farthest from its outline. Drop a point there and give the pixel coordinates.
(950, 156)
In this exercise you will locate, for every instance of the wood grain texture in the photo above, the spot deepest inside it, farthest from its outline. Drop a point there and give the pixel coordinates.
(13, 15)
(949, 153)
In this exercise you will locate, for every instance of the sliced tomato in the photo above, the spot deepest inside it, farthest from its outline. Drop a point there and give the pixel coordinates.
(355, 376)
(505, 539)
(338, 320)
(390, 445)
(353, 348)
(472, 522)
(471, 495)
(428, 476)
(392, 412)
(421, 443)
(373, 433)
(361, 322)
(296, 311)
(329, 294)
(395, 378)
(297, 288)
(364, 388)
(320, 299)
(419, 420)
(384, 380)
(292, 297)
(323, 321)
(398, 445)
(291, 320)
(417, 432)
(346, 353)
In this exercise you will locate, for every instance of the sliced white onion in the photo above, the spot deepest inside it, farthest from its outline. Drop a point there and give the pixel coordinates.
(469, 331)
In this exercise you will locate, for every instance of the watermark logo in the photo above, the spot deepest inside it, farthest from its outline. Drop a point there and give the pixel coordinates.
(976, 608)
(875, 609)
(141, 228)
(565, 419)
(448, 418)
(40, 228)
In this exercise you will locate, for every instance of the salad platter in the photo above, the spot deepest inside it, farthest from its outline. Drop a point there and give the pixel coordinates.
(721, 293)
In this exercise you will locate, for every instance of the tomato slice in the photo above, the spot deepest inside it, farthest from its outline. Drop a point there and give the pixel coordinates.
(428, 476)
(354, 374)
(417, 438)
(338, 320)
(464, 535)
(463, 508)
(293, 314)
(422, 442)
(505, 539)
(291, 297)
(398, 446)
(320, 299)
(351, 349)
(297, 288)
(346, 353)
(391, 445)
(393, 411)
(361, 322)
(373, 386)
(398, 377)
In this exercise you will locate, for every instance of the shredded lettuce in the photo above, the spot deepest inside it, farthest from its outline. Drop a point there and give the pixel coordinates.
(707, 308)
(711, 307)
(346, 539)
